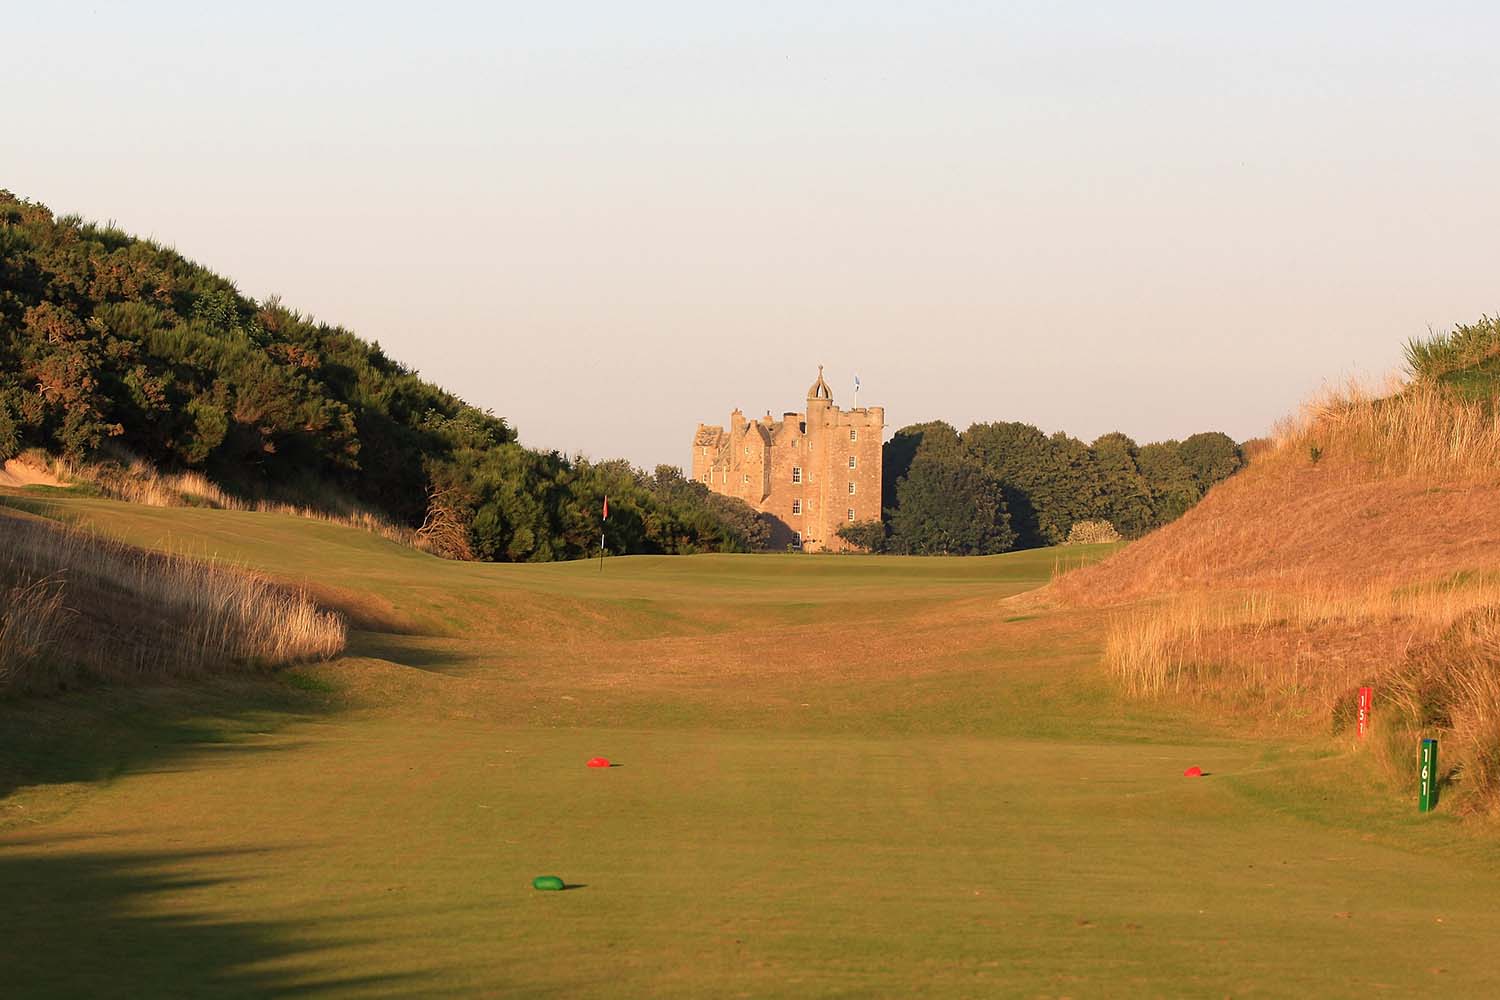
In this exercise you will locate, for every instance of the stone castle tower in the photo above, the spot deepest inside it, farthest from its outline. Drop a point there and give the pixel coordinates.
(811, 472)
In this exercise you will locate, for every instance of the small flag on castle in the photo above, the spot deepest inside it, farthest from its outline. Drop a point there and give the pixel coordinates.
(856, 386)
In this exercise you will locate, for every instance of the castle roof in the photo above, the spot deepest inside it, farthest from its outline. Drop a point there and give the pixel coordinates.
(819, 389)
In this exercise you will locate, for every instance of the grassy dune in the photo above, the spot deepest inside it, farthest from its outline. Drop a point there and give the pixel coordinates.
(1362, 548)
(840, 777)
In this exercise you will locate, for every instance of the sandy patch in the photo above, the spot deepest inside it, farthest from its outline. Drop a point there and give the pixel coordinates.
(17, 473)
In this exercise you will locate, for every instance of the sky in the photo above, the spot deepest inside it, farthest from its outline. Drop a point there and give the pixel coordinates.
(608, 222)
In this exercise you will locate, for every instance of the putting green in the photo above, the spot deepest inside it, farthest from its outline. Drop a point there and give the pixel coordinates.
(837, 777)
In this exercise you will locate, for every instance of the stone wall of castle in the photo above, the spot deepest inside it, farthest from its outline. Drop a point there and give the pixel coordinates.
(810, 472)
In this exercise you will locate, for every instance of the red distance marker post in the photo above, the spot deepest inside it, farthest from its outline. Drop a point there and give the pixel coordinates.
(1364, 712)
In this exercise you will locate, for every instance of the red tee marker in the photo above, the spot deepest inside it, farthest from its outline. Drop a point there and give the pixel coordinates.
(598, 762)
(1193, 772)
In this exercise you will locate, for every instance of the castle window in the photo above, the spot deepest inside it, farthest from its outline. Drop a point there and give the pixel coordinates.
(854, 434)
(745, 479)
(747, 449)
(796, 539)
(851, 489)
(797, 475)
(852, 462)
(802, 426)
(796, 506)
(851, 513)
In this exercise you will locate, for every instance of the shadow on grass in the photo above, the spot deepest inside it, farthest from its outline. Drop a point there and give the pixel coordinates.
(430, 653)
(102, 924)
(103, 733)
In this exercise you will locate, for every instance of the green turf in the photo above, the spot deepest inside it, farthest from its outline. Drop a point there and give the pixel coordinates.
(838, 777)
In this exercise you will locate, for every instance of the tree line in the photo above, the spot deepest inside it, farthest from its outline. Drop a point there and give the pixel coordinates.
(112, 345)
(1006, 485)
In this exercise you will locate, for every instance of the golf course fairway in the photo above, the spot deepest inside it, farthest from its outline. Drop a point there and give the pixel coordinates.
(834, 777)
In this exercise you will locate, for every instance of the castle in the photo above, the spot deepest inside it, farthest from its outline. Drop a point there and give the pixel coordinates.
(809, 472)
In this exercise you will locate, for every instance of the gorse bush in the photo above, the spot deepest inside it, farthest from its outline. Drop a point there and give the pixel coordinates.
(77, 607)
(1092, 533)
(110, 340)
(1466, 345)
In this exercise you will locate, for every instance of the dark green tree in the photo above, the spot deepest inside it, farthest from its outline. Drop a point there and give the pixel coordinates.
(934, 439)
(1213, 457)
(946, 505)
(1174, 488)
(1020, 458)
(868, 535)
(1125, 498)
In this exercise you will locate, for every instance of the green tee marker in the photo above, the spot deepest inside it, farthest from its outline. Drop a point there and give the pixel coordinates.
(1427, 794)
(548, 883)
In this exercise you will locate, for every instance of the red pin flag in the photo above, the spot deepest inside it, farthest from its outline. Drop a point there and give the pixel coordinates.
(606, 507)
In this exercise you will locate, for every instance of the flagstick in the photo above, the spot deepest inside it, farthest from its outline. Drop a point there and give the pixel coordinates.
(601, 550)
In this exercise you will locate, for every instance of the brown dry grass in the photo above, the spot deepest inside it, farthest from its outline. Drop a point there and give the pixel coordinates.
(75, 606)
(1363, 539)
(1287, 647)
(1451, 684)
(1406, 488)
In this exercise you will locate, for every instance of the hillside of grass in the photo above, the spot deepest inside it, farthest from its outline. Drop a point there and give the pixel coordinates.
(1362, 547)
(133, 363)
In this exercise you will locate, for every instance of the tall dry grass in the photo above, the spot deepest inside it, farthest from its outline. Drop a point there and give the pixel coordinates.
(1295, 646)
(32, 624)
(1451, 685)
(1421, 429)
(75, 606)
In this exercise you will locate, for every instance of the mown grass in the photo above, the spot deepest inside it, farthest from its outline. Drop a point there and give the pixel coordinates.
(840, 777)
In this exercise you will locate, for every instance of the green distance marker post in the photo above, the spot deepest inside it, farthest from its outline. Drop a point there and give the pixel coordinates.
(1427, 792)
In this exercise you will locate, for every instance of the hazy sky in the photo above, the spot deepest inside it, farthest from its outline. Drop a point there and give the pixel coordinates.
(610, 221)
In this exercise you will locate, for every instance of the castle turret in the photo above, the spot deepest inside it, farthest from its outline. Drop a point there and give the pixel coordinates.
(819, 390)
